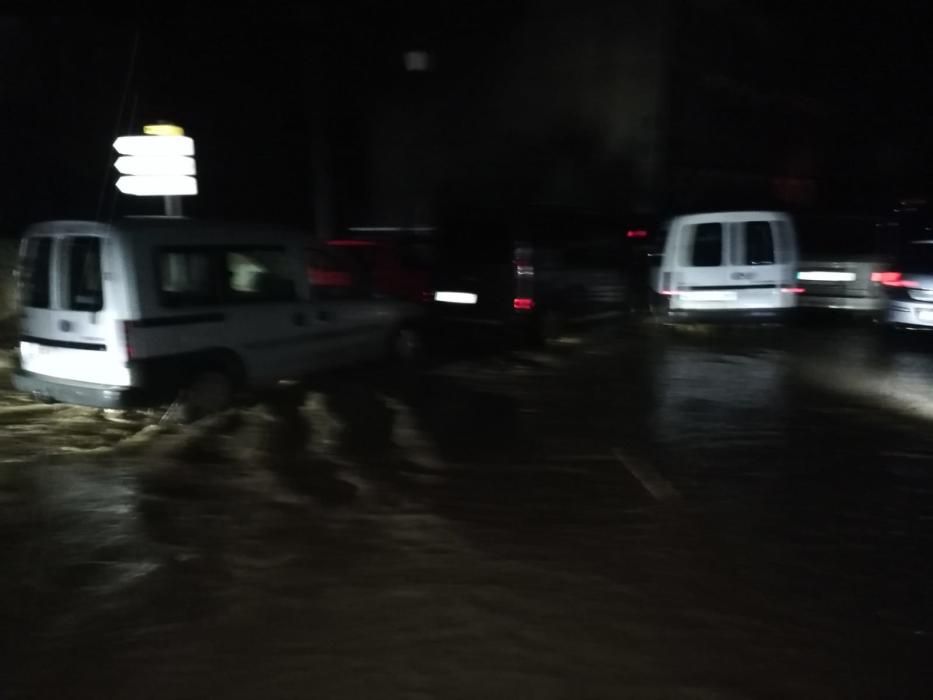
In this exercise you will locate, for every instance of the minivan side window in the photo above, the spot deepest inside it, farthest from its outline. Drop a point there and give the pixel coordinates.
(188, 277)
(759, 243)
(707, 245)
(85, 287)
(34, 280)
(258, 274)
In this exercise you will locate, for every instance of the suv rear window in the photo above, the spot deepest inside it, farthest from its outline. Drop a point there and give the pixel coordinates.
(85, 288)
(34, 280)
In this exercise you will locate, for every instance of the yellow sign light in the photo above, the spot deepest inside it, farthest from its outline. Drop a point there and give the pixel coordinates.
(163, 130)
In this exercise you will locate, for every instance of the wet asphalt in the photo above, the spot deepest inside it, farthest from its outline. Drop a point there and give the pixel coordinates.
(639, 511)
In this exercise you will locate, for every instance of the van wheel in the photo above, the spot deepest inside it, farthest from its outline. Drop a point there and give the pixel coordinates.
(406, 347)
(659, 306)
(208, 392)
(550, 326)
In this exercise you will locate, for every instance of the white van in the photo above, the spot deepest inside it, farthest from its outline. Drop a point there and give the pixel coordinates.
(728, 263)
(151, 308)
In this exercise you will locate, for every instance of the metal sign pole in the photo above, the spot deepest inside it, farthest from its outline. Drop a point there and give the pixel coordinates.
(172, 205)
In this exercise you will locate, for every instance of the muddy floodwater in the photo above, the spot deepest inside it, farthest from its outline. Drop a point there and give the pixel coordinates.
(638, 513)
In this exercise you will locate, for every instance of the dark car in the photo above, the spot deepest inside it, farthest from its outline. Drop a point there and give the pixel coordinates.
(529, 273)
(398, 268)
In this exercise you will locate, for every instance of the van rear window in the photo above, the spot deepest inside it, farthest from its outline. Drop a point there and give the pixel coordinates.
(34, 280)
(707, 245)
(85, 288)
(759, 243)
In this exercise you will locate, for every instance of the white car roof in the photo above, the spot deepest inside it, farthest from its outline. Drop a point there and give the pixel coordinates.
(172, 231)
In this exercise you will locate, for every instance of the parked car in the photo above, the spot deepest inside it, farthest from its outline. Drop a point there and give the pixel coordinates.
(729, 263)
(842, 262)
(151, 309)
(908, 287)
(530, 272)
(398, 267)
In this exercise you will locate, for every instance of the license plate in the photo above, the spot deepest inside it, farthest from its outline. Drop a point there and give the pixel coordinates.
(29, 350)
(455, 297)
(711, 295)
(825, 276)
(925, 315)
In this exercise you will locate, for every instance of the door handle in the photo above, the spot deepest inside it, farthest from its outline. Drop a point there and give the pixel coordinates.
(324, 315)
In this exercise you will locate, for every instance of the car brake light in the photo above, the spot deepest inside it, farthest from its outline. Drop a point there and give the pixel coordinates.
(127, 339)
(893, 279)
(788, 289)
(636, 233)
(523, 304)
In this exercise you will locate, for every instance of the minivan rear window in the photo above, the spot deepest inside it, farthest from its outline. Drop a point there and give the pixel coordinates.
(759, 243)
(85, 288)
(34, 280)
(707, 245)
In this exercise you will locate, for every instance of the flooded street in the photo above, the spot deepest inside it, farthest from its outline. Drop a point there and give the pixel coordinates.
(643, 512)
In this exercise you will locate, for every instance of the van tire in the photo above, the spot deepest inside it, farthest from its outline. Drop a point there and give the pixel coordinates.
(405, 347)
(549, 327)
(208, 392)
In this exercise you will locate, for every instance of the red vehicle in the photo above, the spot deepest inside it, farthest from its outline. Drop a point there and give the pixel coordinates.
(394, 268)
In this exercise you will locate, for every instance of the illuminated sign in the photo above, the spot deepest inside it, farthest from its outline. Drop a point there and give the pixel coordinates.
(158, 163)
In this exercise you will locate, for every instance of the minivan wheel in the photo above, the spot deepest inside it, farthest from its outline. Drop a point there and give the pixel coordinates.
(208, 392)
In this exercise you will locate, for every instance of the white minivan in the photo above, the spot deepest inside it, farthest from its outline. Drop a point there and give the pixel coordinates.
(151, 309)
(728, 263)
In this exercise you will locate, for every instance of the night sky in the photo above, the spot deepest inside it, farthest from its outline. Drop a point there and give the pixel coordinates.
(288, 101)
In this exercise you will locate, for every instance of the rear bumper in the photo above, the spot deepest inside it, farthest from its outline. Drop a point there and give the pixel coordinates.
(80, 393)
(867, 304)
(730, 315)
(907, 314)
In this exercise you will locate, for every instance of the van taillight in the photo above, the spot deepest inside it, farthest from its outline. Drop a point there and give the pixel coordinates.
(523, 304)
(128, 339)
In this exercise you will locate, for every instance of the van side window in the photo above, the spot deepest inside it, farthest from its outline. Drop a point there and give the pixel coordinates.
(707, 245)
(85, 287)
(259, 274)
(759, 243)
(34, 282)
(188, 277)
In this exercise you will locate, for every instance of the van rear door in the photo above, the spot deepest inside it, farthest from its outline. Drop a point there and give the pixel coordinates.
(699, 274)
(67, 325)
(734, 264)
(756, 263)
